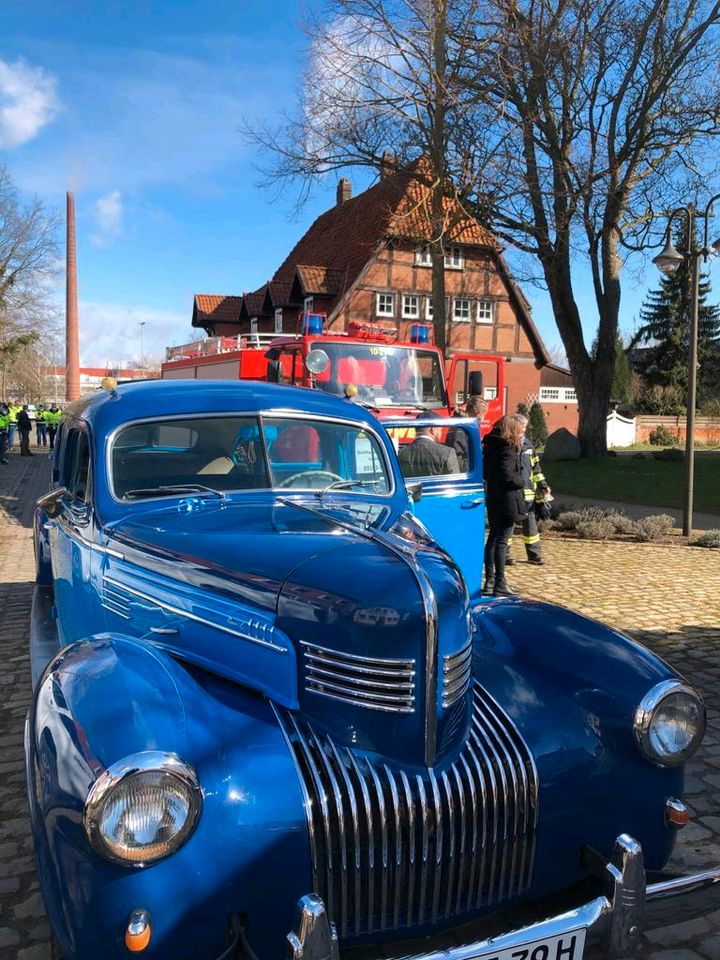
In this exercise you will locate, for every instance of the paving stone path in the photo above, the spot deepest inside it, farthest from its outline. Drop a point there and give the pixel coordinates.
(666, 596)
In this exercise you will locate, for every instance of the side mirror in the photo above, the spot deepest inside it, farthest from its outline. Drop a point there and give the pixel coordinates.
(51, 503)
(414, 491)
(273, 371)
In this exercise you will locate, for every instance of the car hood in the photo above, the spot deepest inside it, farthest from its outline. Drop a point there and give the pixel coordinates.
(340, 616)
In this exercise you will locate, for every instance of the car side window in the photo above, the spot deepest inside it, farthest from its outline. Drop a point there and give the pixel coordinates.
(76, 467)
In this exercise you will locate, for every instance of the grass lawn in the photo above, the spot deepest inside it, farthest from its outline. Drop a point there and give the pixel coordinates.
(655, 482)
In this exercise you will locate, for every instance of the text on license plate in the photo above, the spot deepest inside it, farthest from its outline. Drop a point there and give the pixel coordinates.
(567, 946)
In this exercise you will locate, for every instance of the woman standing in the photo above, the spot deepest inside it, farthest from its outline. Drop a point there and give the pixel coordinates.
(502, 470)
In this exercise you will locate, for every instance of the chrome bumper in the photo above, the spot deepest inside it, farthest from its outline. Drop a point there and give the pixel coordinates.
(614, 921)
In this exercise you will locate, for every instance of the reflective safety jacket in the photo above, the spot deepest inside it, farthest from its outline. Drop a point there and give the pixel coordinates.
(4, 420)
(52, 418)
(534, 482)
(14, 411)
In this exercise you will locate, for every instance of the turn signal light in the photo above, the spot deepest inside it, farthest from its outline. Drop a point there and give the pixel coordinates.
(138, 932)
(676, 813)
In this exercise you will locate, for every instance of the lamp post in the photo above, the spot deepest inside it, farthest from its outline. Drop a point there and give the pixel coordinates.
(668, 262)
(142, 344)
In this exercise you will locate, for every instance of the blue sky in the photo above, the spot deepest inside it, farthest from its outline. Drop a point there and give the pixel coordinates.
(135, 106)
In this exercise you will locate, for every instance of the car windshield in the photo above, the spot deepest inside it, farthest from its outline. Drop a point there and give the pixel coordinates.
(212, 454)
(385, 375)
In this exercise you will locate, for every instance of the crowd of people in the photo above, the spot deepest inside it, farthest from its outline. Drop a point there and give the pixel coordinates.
(16, 424)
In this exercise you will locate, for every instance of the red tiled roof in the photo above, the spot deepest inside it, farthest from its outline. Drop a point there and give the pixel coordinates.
(320, 280)
(253, 303)
(218, 308)
(278, 293)
(343, 239)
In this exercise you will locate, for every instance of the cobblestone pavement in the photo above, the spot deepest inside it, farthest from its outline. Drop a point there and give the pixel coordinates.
(666, 596)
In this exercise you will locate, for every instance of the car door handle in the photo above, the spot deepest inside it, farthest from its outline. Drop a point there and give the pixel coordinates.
(469, 504)
(165, 631)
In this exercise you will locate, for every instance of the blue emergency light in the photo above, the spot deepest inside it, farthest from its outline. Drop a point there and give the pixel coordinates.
(419, 333)
(313, 323)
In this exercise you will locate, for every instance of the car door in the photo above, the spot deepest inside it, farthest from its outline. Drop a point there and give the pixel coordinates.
(452, 502)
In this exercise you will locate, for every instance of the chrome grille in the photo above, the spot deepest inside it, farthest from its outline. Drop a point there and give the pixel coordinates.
(456, 675)
(391, 850)
(365, 681)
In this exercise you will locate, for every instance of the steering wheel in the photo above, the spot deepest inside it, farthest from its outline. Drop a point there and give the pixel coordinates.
(315, 475)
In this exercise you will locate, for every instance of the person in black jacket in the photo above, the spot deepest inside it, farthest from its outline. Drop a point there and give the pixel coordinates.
(425, 457)
(24, 425)
(504, 498)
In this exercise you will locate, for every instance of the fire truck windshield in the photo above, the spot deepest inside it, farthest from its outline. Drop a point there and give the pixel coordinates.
(386, 375)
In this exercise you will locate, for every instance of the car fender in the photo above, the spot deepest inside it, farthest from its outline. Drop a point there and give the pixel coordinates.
(572, 686)
(107, 697)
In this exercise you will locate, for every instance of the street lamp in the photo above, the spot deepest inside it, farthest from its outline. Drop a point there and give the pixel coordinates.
(142, 344)
(668, 261)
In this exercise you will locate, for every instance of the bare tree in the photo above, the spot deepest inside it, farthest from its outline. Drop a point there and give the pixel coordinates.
(383, 89)
(597, 113)
(27, 265)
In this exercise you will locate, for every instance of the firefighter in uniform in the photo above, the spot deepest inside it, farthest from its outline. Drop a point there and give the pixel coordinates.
(4, 429)
(536, 490)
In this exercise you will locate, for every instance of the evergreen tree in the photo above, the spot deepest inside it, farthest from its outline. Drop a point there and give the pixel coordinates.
(665, 329)
(537, 427)
(523, 409)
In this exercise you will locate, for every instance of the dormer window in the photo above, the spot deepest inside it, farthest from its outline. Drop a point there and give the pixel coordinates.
(278, 320)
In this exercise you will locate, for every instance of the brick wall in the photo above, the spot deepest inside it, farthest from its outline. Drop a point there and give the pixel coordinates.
(707, 429)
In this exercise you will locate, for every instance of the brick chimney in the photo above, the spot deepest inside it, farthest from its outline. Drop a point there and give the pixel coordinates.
(72, 349)
(344, 191)
(388, 165)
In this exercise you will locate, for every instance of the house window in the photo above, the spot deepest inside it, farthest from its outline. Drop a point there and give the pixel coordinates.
(558, 395)
(308, 304)
(385, 305)
(454, 258)
(278, 320)
(253, 327)
(428, 308)
(461, 311)
(423, 257)
(411, 307)
(485, 312)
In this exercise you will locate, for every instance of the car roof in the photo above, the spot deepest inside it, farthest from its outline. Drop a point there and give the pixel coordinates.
(106, 409)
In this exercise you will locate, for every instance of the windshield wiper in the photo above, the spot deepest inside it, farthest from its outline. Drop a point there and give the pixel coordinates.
(346, 485)
(172, 488)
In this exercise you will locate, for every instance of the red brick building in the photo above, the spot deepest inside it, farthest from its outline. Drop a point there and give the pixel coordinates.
(367, 259)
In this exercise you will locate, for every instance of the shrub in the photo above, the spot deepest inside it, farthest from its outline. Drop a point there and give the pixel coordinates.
(661, 437)
(601, 529)
(568, 520)
(537, 426)
(624, 523)
(711, 539)
(654, 528)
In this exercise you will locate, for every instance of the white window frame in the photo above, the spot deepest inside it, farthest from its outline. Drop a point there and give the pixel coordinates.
(557, 395)
(485, 311)
(278, 320)
(455, 316)
(428, 308)
(423, 257)
(454, 259)
(384, 310)
(408, 312)
(308, 304)
(253, 327)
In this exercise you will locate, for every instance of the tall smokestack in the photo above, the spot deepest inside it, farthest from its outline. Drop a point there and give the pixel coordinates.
(72, 350)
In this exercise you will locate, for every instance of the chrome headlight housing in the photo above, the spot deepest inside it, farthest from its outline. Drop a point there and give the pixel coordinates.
(670, 723)
(142, 808)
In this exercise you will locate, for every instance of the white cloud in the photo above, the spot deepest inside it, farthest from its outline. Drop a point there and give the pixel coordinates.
(111, 335)
(108, 215)
(28, 102)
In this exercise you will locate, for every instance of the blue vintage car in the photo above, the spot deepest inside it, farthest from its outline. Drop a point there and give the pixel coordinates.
(271, 712)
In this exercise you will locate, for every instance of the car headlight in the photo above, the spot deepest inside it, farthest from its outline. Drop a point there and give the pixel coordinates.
(670, 723)
(142, 808)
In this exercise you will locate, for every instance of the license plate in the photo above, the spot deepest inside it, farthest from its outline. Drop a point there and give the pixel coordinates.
(567, 946)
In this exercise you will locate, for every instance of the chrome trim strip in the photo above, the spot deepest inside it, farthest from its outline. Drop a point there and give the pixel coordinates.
(317, 673)
(353, 658)
(363, 697)
(194, 617)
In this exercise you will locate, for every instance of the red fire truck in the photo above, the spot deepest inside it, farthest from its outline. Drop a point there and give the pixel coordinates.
(367, 364)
